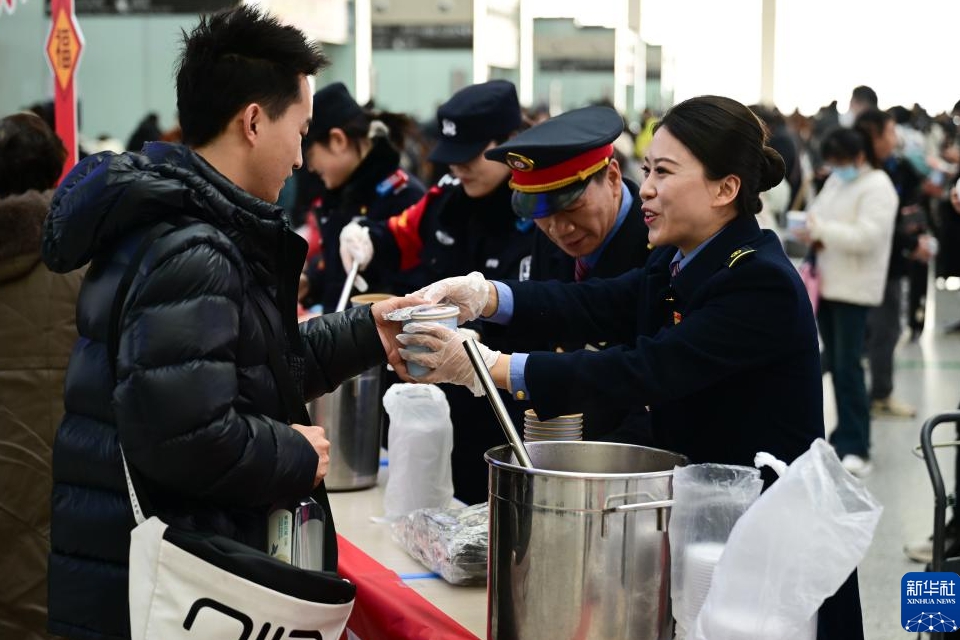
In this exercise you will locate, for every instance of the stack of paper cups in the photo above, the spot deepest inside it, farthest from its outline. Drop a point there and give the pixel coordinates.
(569, 427)
(700, 559)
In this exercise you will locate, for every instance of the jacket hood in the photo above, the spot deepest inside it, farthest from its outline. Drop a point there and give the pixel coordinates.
(21, 223)
(107, 196)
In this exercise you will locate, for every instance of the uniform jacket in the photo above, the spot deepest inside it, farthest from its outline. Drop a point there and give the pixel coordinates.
(196, 407)
(854, 221)
(377, 189)
(37, 332)
(628, 249)
(449, 234)
(725, 356)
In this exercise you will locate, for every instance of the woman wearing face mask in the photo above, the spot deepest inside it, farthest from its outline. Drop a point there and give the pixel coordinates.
(355, 153)
(850, 225)
(718, 334)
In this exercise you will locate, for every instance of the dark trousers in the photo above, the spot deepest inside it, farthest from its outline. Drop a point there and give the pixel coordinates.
(883, 329)
(917, 273)
(842, 328)
(840, 616)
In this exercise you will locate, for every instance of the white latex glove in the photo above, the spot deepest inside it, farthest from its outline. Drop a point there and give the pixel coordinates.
(355, 245)
(447, 358)
(470, 293)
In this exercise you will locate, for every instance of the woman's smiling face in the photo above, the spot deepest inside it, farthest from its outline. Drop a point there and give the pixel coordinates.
(679, 201)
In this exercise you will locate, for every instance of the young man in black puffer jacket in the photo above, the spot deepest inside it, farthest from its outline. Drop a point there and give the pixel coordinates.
(195, 406)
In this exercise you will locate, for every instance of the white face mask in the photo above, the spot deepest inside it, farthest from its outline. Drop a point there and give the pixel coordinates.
(846, 173)
(847, 118)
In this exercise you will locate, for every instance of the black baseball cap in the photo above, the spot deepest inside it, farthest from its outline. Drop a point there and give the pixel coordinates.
(333, 106)
(551, 163)
(472, 118)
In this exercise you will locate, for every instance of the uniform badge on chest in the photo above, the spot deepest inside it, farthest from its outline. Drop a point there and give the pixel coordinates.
(445, 238)
(492, 263)
(524, 274)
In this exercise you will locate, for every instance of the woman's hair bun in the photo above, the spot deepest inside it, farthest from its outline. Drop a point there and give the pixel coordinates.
(773, 169)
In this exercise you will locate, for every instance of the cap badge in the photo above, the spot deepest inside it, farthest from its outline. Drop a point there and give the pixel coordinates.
(519, 162)
(449, 128)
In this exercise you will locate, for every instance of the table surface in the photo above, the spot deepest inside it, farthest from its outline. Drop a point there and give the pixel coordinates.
(352, 513)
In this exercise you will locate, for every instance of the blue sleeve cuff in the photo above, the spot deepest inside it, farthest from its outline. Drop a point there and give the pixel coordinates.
(504, 312)
(518, 386)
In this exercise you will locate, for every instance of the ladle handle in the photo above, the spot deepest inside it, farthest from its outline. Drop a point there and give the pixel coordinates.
(498, 407)
(348, 286)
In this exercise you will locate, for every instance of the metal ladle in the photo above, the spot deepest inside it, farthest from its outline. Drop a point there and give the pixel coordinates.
(486, 381)
(348, 286)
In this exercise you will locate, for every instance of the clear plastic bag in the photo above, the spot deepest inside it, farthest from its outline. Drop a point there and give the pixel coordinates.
(791, 550)
(708, 500)
(419, 445)
(451, 542)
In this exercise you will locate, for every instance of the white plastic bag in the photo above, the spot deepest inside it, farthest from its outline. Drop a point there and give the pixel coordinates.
(791, 550)
(419, 445)
(707, 501)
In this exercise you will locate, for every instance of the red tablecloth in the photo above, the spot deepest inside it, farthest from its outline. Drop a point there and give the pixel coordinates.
(386, 608)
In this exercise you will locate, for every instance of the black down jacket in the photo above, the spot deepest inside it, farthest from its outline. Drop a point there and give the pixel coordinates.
(196, 406)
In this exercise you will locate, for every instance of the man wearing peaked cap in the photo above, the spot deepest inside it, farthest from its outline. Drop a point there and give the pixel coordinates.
(564, 177)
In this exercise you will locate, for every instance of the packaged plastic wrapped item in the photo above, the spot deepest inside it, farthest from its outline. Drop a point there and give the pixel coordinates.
(419, 445)
(708, 501)
(790, 551)
(451, 542)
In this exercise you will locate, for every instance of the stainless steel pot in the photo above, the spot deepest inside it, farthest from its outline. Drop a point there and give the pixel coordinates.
(352, 416)
(578, 544)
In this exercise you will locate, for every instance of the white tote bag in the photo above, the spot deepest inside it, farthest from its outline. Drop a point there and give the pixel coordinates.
(189, 585)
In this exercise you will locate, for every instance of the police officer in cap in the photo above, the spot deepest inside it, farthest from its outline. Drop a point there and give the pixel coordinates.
(356, 154)
(718, 334)
(465, 223)
(566, 180)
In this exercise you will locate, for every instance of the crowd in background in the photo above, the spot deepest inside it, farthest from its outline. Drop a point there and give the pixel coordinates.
(915, 173)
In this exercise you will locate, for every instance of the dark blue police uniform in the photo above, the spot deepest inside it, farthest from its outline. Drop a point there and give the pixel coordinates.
(725, 353)
(376, 189)
(449, 233)
(627, 249)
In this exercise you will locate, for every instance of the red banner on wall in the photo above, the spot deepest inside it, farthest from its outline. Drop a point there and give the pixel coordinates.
(64, 45)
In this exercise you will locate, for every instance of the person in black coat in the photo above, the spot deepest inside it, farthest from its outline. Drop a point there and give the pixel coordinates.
(195, 405)
(356, 154)
(464, 223)
(722, 338)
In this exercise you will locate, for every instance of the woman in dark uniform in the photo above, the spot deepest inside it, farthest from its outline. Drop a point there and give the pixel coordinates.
(355, 153)
(723, 344)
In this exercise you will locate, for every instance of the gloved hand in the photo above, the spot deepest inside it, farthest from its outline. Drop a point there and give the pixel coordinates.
(470, 293)
(355, 245)
(447, 358)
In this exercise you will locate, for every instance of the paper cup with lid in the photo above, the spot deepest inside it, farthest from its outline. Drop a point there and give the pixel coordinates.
(442, 314)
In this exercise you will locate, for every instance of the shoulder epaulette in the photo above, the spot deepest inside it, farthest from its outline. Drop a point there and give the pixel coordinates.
(394, 183)
(738, 255)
